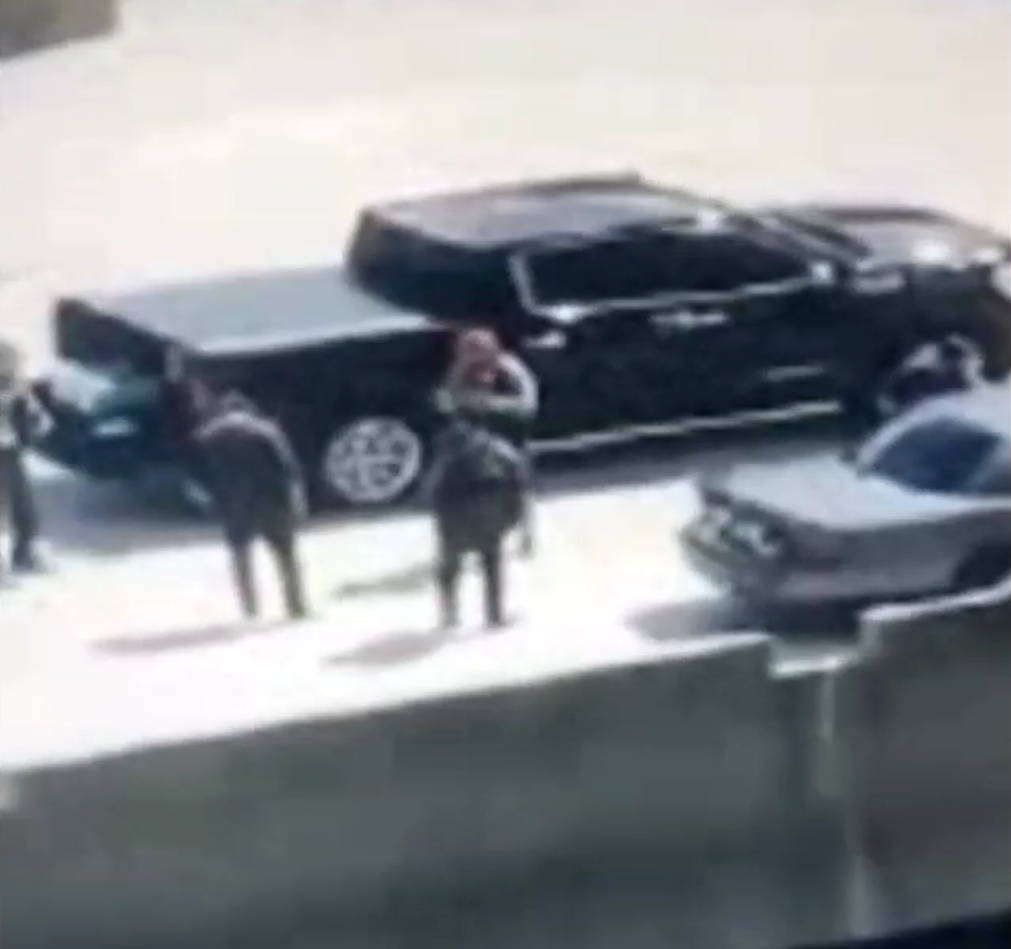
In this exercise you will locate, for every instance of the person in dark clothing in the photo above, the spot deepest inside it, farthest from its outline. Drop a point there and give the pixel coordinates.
(476, 487)
(256, 487)
(23, 421)
(499, 391)
(933, 369)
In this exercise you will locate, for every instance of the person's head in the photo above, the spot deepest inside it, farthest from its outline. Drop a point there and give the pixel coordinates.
(478, 350)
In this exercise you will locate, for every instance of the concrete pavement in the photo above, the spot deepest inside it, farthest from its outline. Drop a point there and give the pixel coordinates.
(140, 611)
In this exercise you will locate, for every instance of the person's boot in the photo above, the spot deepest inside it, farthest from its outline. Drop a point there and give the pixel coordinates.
(449, 613)
(447, 582)
(491, 567)
(29, 559)
(449, 606)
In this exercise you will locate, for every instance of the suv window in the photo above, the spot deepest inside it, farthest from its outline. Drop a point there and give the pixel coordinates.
(642, 265)
(942, 456)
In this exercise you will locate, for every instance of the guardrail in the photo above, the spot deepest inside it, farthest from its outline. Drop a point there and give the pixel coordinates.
(27, 26)
(783, 809)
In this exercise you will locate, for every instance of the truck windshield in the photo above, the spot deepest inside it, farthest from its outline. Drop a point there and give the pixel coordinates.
(941, 456)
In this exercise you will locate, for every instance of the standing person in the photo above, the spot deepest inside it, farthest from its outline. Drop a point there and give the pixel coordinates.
(22, 422)
(496, 388)
(477, 487)
(256, 487)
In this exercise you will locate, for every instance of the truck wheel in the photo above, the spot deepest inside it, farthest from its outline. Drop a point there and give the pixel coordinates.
(984, 569)
(370, 462)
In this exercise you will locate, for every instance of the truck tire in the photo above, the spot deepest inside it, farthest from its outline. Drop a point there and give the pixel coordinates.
(370, 462)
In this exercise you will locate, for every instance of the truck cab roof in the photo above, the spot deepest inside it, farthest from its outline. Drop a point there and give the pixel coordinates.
(509, 217)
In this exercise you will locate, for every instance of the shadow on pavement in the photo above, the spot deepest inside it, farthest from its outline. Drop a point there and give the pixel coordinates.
(704, 616)
(154, 644)
(661, 623)
(408, 579)
(397, 648)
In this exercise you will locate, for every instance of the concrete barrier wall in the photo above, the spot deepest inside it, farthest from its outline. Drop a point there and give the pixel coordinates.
(929, 757)
(268, 830)
(782, 809)
(30, 25)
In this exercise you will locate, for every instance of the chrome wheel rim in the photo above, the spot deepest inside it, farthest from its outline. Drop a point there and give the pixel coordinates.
(372, 461)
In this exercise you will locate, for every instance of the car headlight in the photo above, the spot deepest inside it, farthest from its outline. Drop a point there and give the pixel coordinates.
(720, 524)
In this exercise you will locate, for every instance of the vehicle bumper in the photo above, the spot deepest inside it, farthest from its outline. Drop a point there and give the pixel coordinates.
(766, 583)
(747, 577)
(114, 448)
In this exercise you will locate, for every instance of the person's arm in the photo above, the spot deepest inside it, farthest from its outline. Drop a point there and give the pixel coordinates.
(284, 454)
(35, 422)
(287, 461)
(522, 399)
(204, 464)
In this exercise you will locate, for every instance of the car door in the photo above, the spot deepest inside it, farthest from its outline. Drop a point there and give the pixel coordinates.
(781, 326)
(605, 364)
(627, 347)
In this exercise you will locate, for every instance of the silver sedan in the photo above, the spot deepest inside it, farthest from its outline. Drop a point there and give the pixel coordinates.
(923, 507)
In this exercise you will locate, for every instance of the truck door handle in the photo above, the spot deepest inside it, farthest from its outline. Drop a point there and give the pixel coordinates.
(554, 339)
(689, 319)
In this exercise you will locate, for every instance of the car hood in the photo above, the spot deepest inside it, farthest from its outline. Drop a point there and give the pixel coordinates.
(825, 492)
(897, 235)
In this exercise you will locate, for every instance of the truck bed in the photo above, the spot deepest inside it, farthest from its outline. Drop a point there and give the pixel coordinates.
(260, 312)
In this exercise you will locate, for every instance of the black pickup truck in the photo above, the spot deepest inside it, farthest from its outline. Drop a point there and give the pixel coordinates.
(645, 310)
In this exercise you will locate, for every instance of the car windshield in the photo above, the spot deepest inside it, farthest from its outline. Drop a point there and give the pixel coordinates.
(941, 456)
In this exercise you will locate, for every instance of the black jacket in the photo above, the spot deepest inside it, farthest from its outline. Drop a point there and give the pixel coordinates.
(250, 468)
(476, 486)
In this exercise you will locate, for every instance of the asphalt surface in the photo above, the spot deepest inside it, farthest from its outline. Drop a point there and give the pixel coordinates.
(202, 141)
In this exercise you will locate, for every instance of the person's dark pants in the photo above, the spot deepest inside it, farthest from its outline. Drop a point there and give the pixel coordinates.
(22, 512)
(460, 533)
(449, 572)
(282, 541)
